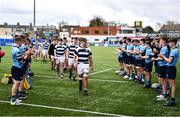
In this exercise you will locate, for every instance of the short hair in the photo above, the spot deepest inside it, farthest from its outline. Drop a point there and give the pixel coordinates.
(18, 39)
(129, 39)
(23, 36)
(164, 39)
(124, 37)
(137, 41)
(83, 39)
(60, 39)
(64, 38)
(173, 40)
(143, 40)
(133, 41)
(29, 40)
(148, 43)
(75, 38)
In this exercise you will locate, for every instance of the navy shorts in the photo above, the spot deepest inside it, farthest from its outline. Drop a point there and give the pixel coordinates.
(128, 60)
(148, 67)
(140, 63)
(120, 59)
(162, 71)
(156, 66)
(133, 61)
(24, 68)
(124, 57)
(17, 73)
(171, 72)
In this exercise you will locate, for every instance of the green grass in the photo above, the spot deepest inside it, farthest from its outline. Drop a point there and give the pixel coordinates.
(127, 98)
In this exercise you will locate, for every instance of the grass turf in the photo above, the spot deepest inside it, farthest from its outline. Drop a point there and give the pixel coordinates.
(123, 98)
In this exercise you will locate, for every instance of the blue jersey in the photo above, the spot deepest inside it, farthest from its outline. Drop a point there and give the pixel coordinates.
(148, 53)
(175, 54)
(16, 54)
(142, 48)
(120, 53)
(23, 48)
(129, 48)
(136, 55)
(164, 51)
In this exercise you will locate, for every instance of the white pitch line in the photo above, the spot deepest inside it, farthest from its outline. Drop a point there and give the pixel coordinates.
(90, 74)
(66, 109)
(54, 77)
(114, 81)
(101, 71)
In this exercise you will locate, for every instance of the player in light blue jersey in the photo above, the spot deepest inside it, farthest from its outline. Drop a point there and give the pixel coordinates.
(172, 61)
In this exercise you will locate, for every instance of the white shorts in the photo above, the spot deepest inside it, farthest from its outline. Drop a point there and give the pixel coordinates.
(60, 60)
(70, 61)
(36, 51)
(82, 68)
(44, 52)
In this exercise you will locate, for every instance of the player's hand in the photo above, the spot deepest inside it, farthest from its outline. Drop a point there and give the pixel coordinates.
(54, 57)
(153, 59)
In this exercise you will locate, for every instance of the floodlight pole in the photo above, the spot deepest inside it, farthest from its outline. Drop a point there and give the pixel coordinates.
(34, 20)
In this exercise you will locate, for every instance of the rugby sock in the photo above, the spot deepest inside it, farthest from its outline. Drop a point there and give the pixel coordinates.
(173, 99)
(164, 94)
(20, 94)
(148, 81)
(13, 98)
(70, 73)
(80, 85)
(65, 70)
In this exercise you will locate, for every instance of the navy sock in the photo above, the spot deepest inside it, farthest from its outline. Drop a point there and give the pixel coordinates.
(164, 94)
(70, 73)
(173, 99)
(13, 98)
(20, 94)
(80, 84)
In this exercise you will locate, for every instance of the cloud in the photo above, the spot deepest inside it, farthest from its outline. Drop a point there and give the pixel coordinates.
(81, 11)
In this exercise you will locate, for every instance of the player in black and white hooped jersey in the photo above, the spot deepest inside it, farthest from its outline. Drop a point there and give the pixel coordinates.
(60, 56)
(65, 41)
(45, 47)
(84, 63)
(70, 53)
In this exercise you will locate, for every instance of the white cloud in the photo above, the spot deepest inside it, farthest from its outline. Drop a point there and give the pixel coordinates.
(81, 11)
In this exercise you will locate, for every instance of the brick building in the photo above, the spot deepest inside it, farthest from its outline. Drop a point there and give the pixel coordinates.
(104, 30)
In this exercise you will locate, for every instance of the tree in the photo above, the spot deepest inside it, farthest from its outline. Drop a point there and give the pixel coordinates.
(148, 29)
(61, 24)
(97, 21)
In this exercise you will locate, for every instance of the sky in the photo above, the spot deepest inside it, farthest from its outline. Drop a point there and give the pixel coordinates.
(79, 12)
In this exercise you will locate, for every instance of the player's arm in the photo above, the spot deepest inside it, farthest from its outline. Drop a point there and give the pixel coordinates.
(75, 60)
(157, 59)
(168, 60)
(129, 51)
(55, 52)
(67, 52)
(91, 63)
